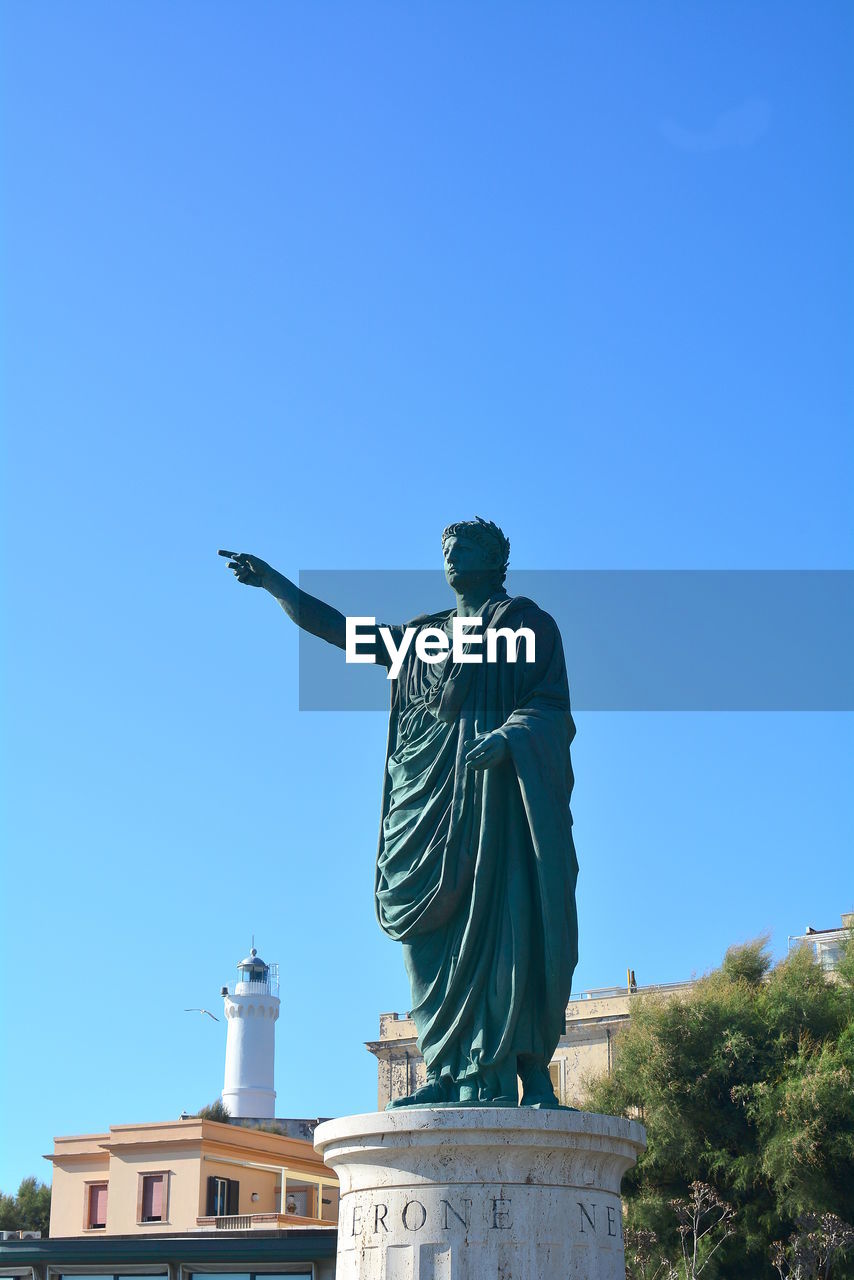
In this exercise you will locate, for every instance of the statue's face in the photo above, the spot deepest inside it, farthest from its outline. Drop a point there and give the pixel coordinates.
(466, 561)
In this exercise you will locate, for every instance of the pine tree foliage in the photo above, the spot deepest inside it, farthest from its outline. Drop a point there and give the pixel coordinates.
(28, 1210)
(745, 1085)
(216, 1110)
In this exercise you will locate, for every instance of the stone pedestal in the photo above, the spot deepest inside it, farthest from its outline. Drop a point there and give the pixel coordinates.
(480, 1193)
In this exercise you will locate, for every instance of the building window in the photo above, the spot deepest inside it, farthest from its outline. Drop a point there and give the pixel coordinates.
(244, 1275)
(554, 1076)
(223, 1197)
(151, 1203)
(219, 1196)
(105, 1275)
(828, 954)
(96, 1207)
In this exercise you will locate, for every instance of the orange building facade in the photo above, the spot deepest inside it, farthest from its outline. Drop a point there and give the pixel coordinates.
(187, 1176)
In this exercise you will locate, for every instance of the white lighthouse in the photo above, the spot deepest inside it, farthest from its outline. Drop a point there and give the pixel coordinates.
(251, 1010)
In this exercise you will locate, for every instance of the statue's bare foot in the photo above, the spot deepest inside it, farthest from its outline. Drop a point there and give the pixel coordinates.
(438, 1092)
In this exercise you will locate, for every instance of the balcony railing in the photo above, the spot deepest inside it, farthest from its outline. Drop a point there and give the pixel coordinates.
(611, 993)
(264, 1221)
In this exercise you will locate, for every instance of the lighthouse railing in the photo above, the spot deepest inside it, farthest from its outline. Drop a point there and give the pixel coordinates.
(269, 987)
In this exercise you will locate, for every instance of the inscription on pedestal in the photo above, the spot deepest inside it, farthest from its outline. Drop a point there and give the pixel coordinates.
(405, 1214)
(382, 1216)
(587, 1219)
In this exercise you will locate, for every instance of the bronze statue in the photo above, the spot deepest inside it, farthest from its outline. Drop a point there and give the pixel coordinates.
(476, 865)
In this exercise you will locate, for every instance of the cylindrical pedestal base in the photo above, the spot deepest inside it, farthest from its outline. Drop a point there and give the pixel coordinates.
(476, 1193)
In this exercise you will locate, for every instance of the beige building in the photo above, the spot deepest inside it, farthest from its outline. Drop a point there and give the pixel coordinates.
(590, 1039)
(187, 1175)
(587, 1046)
(825, 944)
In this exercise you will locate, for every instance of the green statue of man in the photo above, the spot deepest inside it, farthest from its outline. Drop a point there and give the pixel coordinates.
(476, 865)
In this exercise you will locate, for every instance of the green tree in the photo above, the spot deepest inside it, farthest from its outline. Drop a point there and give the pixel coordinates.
(29, 1210)
(746, 1085)
(8, 1213)
(216, 1110)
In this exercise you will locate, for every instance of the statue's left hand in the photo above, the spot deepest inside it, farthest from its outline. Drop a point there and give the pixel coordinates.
(487, 750)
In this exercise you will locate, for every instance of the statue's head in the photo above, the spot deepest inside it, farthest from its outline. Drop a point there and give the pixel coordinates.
(475, 550)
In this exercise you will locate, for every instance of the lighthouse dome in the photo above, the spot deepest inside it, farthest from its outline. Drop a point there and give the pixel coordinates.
(253, 968)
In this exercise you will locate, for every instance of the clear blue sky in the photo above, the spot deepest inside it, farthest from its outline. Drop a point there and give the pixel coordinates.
(312, 281)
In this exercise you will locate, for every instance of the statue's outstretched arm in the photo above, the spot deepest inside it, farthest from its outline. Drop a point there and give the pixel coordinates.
(306, 611)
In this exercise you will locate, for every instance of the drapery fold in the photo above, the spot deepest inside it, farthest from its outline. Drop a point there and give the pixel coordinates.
(476, 870)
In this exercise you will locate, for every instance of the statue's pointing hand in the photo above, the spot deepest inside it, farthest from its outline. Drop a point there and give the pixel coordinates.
(487, 750)
(247, 569)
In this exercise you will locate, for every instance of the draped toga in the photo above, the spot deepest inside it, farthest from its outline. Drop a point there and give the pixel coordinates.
(476, 869)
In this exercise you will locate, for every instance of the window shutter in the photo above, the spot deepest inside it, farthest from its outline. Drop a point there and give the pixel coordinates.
(98, 1206)
(211, 1197)
(157, 1197)
(152, 1197)
(233, 1196)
